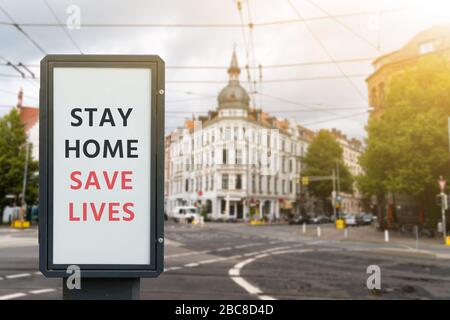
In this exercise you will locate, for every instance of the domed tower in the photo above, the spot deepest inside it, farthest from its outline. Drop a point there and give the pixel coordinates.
(233, 99)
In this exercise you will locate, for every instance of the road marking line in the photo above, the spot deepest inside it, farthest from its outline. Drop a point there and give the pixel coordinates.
(247, 286)
(264, 297)
(234, 272)
(13, 296)
(223, 249)
(38, 273)
(20, 275)
(1, 278)
(190, 265)
(39, 291)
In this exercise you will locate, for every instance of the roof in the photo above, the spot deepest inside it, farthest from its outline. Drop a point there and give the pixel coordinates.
(29, 116)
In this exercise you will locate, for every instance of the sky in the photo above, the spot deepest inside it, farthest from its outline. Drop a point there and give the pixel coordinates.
(201, 35)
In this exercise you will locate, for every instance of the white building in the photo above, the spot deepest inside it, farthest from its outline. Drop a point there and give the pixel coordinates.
(352, 150)
(237, 160)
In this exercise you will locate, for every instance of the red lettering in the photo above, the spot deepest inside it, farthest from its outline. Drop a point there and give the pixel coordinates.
(78, 182)
(92, 181)
(97, 214)
(128, 211)
(110, 183)
(113, 211)
(125, 180)
(71, 216)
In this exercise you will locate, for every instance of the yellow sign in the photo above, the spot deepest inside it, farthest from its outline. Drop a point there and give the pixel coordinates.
(305, 181)
(340, 224)
(447, 241)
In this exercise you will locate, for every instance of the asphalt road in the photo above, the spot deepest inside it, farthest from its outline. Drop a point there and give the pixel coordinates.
(238, 261)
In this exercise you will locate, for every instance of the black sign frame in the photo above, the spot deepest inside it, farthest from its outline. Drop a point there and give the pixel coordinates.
(157, 67)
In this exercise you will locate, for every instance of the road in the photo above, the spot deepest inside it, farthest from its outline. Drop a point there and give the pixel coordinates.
(238, 261)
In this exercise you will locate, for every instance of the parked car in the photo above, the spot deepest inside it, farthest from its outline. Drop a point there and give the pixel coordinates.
(351, 220)
(367, 218)
(300, 220)
(186, 213)
(320, 219)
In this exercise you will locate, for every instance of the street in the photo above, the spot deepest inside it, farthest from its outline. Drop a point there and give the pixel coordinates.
(239, 261)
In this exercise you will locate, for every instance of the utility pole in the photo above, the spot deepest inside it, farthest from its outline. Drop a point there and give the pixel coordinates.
(333, 195)
(444, 207)
(24, 184)
(338, 195)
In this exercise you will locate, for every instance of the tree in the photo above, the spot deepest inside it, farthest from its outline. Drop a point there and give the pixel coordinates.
(323, 156)
(407, 146)
(12, 160)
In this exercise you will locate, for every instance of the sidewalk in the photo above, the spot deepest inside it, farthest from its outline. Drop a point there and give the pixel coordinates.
(369, 234)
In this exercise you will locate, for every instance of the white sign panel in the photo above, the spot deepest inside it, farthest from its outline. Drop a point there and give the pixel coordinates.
(101, 165)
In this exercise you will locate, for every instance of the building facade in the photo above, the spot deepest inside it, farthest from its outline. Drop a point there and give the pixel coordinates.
(432, 42)
(352, 150)
(237, 161)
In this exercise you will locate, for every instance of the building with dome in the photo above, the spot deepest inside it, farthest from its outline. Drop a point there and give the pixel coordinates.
(236, 161)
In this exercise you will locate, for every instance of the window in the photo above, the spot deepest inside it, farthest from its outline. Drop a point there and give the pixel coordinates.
(224, 156)
(236, 133)
(207, 183)
(260, 184)
(238, 182)
(291, 166)
(269, 189)
(186, 187)
(253, 183)
(212, 182)
(225, 181)
(238, 156)
(283, 186)
(227, 134)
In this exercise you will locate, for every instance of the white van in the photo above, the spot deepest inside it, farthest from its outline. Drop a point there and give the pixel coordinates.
(185, 214)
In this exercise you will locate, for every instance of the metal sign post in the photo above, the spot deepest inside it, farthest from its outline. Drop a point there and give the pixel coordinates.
(101, 172)
(444, 206)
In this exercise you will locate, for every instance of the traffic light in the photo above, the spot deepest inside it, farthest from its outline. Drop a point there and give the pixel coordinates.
(442, 201)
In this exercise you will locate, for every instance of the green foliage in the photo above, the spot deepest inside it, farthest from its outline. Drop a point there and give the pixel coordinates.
(407, 146)
(12, 160)
(323, 156)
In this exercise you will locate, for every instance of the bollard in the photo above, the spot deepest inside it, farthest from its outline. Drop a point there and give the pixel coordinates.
(319, 232)
(417, 237)
(304, 227)
(345, 233)
(386, 235)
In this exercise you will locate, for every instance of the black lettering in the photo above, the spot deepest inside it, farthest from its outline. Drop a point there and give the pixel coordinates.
(91, 115)
(107, 117)
(77, 117)
(112, 152)
(130, 148)
(76, 148)
(125, 116)
(85, 148)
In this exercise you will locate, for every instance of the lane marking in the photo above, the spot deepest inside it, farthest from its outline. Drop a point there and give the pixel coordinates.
(20, 275)
(190, 253)
(13, 296)
(39, 291)
(235, 272)
(190, 265)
